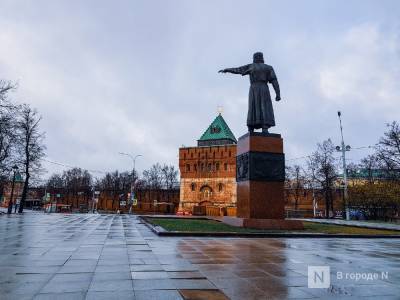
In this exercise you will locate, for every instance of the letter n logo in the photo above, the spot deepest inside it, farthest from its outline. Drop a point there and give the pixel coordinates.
(319, 277)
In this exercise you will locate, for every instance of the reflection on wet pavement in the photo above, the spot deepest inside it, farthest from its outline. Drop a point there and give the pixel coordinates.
(116, 257)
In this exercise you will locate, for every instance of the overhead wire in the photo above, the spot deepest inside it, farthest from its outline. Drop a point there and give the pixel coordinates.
(71, 167)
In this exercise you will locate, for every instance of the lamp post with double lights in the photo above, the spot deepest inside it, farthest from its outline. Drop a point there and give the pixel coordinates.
(343, 148)
(133, 175)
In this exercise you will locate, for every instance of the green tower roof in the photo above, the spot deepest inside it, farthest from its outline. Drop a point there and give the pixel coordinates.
(18, 177)
(218, 133)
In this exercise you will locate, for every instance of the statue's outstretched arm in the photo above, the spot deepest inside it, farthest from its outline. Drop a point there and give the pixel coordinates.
(243, 70)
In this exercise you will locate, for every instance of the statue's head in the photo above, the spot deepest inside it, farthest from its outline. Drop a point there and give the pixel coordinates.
(258, 57)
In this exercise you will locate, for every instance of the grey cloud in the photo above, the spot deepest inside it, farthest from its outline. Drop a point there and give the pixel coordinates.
(141, 76)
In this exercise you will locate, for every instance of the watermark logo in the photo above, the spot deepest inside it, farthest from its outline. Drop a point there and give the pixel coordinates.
(319, 277)
(363, 276)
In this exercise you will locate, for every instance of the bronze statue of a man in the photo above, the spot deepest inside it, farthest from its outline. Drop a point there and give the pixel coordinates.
(261, 113)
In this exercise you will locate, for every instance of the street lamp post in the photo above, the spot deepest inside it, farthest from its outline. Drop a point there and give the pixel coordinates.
(343, 148)
(10, 203)
(133, 174)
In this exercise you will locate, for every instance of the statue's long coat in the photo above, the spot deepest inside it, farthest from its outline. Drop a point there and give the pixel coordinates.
(261, 113)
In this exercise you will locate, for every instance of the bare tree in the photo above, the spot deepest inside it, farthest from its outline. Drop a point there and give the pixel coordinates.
(296, 182)
(7, 139)
(78, 181)
(378, 198)
(153, 176)
(5, 88)
(30, 146)
(8, 113)
(323, 165)
(169, 176)
(388, 149)
(369, 165)
(117, 183)
(55, 181)
(126, 180)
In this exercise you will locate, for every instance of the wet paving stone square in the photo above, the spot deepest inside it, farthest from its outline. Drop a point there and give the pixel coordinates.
(84, 256)
(66, 286)
(117, 295)
(149, 275)
(111, 285)
(144, 267)
(61, 296)
(154, 284)
(158, 294)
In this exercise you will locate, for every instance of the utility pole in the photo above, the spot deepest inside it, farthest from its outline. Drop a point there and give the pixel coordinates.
(343, 149)
(313, 192)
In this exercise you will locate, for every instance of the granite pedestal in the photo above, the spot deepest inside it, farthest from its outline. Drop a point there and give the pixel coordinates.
(260, 176)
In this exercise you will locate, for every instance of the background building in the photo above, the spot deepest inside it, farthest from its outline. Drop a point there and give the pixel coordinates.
(5, 191)
(208, 171)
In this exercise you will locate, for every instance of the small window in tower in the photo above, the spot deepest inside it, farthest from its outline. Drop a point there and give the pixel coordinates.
(217, 166)
(215, 129)
(220, 187)
(230, 153)
(187, 168)
(191, 155)
(209, 167)
(225, 166)
(193, 187)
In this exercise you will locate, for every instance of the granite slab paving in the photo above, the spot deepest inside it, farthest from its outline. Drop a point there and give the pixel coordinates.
(89, 256)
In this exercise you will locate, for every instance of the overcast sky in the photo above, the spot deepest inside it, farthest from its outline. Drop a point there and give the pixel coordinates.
(141, 76)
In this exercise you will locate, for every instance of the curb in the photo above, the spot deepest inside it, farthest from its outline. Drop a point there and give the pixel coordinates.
(368, 225)
(164, 233)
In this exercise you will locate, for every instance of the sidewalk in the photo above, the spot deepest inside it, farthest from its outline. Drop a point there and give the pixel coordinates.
(3, 210)
(364, 224)
(110, 256)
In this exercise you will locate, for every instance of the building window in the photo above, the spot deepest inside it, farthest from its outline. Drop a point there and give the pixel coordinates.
(193, 187)
(220, 187)
(205, 193)
(225, 166)
(191, 155)
(195, 167)
(217, 166)
(209, 167)
(215, 129)
(230, 153)
(187, 168)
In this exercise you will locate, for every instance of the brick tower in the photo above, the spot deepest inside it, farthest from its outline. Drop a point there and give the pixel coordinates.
(208, 171)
